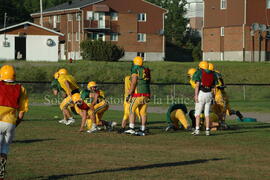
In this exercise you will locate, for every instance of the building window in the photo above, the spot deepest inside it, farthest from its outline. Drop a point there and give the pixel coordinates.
(141, 54)
(78, 16)
(114, 16)
(58, 18)
(141, 17)
(141, 37)
(222, 31)
(77, 36)
(268, 4)
(114, 37)
(70, 17)
(96, 16)
(89, 15)
(223, 4)
(68, 37)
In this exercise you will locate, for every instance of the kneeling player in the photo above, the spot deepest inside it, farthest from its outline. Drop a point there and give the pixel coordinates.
(177, 114)
(98, 101)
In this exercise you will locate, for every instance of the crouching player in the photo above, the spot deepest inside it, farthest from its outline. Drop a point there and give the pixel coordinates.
(222, 105)
(58, 90)
(13, 105)
(93, 101)
(177, 114)
(213, 119)
(70, 86)
(98, 101)
(126, 106)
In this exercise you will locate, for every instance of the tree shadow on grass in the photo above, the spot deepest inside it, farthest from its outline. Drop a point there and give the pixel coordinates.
(135, 168)
(28, 141)
(248, 126)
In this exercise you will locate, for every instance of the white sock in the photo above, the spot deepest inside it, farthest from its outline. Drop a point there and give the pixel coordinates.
(143, 127)
(131, 125)
(70, 118)
(197, 128)
(207, 129)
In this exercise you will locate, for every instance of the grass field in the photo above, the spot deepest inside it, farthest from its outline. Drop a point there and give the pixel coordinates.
(162, 72)
(45, 149)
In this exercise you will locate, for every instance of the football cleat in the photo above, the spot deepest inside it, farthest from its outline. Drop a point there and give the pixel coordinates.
(93, 130)
(207, 133)
(63, 121)
(196, 132)
(70, 121)
(130, 131)
(169, 127)
(140, 133)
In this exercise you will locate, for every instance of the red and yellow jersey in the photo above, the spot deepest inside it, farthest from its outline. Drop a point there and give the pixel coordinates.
(71, 81)
(8, 113)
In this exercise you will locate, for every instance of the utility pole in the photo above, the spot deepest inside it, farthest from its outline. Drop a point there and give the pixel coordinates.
(41, 13)
(5, 23)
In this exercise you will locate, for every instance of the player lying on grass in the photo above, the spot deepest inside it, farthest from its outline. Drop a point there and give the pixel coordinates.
(13, 105)
(126, 106)
(176, 117)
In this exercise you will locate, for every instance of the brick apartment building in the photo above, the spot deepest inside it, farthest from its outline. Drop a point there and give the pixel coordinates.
(195, 14)
(135, 25)
(236, 30)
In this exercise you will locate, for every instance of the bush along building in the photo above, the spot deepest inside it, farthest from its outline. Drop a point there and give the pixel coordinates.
(137, 26)
(236, 30)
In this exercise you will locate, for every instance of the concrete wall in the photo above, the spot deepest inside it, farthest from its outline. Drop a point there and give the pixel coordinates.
(149, 56)
(234, 56)
(36, 48)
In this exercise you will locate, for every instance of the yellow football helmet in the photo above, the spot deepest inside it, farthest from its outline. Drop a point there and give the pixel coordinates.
(203, 65)
(138, 61)
(63, 71)
(91, 84)
(56, 75)
(76, 97)
(8, 73)
(191, 71)
(211, 66)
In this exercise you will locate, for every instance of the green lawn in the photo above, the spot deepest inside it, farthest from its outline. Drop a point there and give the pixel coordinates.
(45, 149)
(162, 72)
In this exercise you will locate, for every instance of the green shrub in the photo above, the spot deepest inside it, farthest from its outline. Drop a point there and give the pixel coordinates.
(197, 53)
(101, 51)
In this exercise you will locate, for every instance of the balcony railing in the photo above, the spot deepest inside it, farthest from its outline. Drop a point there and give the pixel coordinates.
(97, 25)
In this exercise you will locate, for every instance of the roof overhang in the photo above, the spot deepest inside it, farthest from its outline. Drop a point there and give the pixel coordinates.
(33, 24)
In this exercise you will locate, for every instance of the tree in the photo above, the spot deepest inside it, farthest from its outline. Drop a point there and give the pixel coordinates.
(175, 22)
(20, 10)
(101, 50)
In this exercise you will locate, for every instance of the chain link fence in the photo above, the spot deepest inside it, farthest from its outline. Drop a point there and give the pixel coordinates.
(40, 93)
